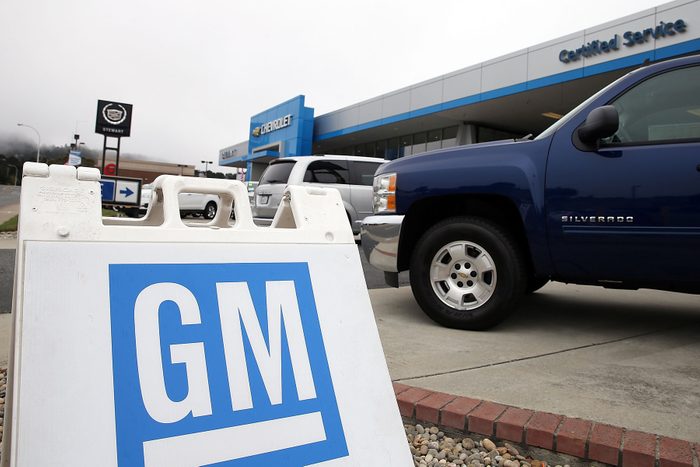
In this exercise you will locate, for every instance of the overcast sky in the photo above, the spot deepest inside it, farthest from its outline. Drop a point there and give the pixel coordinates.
(196, 71)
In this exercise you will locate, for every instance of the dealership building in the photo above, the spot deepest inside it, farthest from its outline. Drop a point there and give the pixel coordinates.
(508, 97)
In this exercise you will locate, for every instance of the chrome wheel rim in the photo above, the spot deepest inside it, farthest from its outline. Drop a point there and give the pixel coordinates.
(463, 275)
(211, 211)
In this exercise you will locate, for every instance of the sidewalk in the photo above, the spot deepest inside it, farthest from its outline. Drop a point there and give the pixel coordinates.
(7, 212)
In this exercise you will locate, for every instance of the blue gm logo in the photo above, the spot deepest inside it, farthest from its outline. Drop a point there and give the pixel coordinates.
(220, 364)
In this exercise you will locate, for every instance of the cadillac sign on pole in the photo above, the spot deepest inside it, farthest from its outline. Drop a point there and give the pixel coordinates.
(113, 121)
(113, 118)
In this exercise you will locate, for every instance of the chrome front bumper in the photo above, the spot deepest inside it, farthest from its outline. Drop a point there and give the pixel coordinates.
(380, 241)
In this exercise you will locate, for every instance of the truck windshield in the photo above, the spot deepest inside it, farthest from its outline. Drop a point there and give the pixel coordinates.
(559, 123)
(277, 172)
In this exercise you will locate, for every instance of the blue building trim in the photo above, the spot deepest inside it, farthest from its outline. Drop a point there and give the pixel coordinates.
(280, 131)
(612, 65)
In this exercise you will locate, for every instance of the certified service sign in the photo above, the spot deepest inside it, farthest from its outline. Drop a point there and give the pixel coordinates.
(220, 364)
(113, 118)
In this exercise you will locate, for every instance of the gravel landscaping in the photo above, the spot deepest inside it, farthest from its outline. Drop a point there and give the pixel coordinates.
(431, 447)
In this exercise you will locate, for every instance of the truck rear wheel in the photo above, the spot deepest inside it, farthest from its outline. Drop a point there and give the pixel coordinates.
(467, 273)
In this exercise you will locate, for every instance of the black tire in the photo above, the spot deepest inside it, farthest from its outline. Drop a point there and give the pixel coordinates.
(209, 210)
(505, 280)
(131, 212)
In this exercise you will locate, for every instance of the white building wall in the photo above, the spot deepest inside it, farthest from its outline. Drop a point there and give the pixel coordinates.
(520, 67)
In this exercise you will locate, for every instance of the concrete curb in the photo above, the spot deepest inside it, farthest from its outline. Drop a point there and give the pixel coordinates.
(584, 439)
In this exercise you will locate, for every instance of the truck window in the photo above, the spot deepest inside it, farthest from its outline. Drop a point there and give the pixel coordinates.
(665, 107)
(327, 172)
(277, 172)
(562, 121)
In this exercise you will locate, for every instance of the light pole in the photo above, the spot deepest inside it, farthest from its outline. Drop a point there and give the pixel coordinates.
(206, 167)
(38, 144)
(16, 172)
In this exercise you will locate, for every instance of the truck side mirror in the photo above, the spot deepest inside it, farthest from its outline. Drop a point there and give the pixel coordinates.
(600, 123)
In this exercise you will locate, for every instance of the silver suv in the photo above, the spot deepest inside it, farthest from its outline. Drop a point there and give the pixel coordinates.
(351, 175)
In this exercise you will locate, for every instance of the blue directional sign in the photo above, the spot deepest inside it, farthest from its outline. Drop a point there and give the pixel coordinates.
(220, 364)
(108, 189)
(121, 190)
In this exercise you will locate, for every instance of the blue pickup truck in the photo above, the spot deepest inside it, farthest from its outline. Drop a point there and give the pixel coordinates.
(609, 195)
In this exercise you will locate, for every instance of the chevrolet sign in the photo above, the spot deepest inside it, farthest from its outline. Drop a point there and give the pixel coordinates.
(273, 125)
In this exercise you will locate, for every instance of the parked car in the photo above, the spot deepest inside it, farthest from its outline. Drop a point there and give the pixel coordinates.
(198, 204)
(351, 175)
(146, 194)
(195, 204)
(609, 195)
(251, 190)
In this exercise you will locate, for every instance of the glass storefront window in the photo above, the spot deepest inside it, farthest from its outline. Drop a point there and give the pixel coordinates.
(392, 149)
(486, 134)
(434, 140)
(380, 149)
(419, 140)
(405, 145)
(449, 137)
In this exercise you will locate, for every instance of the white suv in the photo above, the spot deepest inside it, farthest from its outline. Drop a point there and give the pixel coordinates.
(196, 204)
(351, 175)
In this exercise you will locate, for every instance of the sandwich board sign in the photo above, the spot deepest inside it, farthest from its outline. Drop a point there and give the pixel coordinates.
(149, 342)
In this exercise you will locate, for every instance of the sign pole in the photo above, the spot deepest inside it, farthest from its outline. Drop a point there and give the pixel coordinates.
(104, 151)
(119, 145)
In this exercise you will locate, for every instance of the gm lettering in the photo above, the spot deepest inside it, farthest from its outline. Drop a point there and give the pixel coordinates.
(220, 364)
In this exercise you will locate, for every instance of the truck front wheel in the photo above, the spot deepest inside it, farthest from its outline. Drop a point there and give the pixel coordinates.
(467, 273)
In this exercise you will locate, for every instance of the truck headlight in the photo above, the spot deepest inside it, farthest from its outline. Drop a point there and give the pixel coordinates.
(384, 193)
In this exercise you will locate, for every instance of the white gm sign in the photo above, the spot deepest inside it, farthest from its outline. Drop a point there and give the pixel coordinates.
(226, 346)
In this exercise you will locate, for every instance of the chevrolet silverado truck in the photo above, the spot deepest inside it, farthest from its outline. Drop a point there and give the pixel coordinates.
(609, 195)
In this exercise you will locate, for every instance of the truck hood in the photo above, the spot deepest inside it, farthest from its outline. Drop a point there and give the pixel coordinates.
(439, 154)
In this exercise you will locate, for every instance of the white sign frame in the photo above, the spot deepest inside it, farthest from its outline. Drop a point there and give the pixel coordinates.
(62, 404)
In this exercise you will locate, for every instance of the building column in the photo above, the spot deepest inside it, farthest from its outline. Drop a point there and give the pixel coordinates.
(466, 134)
(249, 172)
(255, 170)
